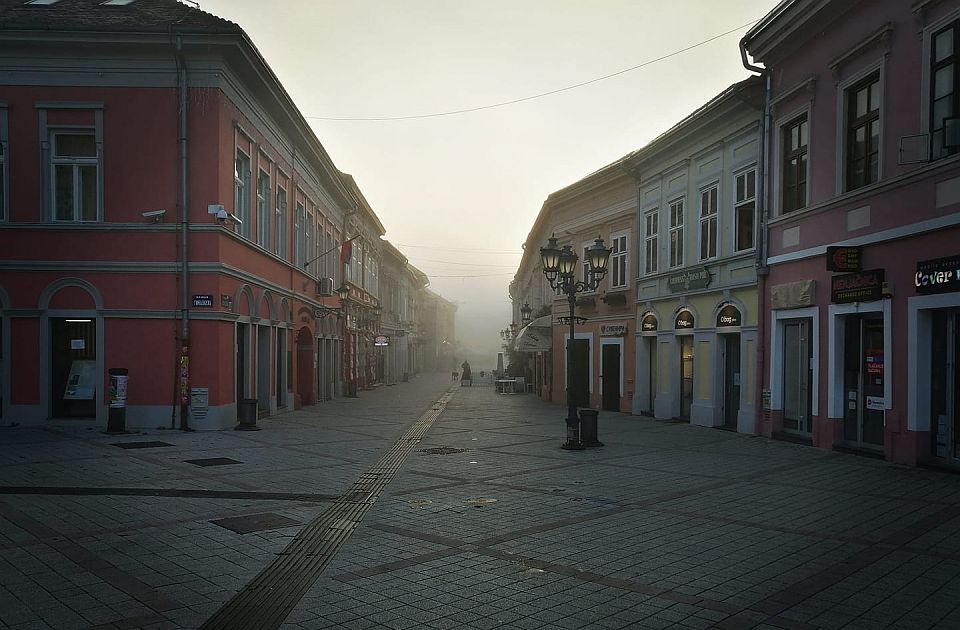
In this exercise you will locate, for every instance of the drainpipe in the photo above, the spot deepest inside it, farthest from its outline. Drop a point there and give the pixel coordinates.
(763, 215)
(184, 356)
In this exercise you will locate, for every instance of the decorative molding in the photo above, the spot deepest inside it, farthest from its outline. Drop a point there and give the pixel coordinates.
(68, 105)
(882, 35)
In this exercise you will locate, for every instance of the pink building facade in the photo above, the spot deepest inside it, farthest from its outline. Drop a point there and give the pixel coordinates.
(165, 209)
(859, 288)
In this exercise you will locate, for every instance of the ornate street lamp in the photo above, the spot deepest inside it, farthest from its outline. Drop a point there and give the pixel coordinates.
(525, 314)
(559, 267)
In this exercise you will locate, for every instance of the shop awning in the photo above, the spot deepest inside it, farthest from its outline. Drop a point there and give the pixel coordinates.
(537, 336)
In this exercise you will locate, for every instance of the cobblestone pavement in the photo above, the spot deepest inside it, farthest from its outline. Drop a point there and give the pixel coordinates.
(425, 510)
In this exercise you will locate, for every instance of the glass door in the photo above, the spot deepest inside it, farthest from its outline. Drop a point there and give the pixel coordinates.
(945, 386)
(686, 375)
(863, 371)
(797, 376)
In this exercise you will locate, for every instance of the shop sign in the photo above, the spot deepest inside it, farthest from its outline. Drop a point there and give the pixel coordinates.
(649, 323)
(873, 357)
(613, 330)
(202, 300)
(938, 276)
(689, 280)
(729, 316)
(844, 259)
(381, 340)
(684, 321)
(876, 403)
(857, 287)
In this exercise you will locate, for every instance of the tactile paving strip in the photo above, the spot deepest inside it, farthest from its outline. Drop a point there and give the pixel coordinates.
(267, 600)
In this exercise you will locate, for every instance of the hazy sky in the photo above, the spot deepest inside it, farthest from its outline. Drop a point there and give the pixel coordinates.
(459, 193)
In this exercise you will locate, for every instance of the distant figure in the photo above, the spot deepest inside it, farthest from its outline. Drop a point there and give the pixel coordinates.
(481, 373)
(465, 377)
(456, 375)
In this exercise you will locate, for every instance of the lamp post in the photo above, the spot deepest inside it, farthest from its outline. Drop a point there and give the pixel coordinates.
(525, 311)
(559, 267)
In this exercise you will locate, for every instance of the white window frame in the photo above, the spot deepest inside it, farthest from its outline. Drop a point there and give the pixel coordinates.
(711, 220)
(651, 240)
(740, 203)
(75, 162)
(280, 233)
(241, 190)
(263, 208)
(676, 228)
(619, 250)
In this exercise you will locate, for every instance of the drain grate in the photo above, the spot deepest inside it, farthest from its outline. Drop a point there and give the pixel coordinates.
(212, 461)
(141, 444)
(442, 450)
(255, 522)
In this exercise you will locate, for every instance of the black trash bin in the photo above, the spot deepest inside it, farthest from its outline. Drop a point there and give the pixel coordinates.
(588, 427)
(117, 393)
(247, 415)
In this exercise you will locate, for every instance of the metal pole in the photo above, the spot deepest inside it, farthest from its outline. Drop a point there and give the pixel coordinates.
(573, 419)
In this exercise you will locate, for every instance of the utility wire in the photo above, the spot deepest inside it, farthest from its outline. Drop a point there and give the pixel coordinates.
(463, 249)
(542, 94)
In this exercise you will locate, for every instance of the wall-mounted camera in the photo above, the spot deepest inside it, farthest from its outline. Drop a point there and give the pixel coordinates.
(223, 216)
(154, 215)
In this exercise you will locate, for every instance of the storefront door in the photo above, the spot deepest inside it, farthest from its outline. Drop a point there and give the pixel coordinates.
(651, 373)
(240, 368)
(686, 375)
(945, 386)
(863, 387)
(611, 377)
(280, 361)
(73, 368)
(580, 382)
(797, 375)
(731, 380)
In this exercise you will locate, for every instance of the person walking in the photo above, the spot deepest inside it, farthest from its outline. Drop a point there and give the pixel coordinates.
(466, 379)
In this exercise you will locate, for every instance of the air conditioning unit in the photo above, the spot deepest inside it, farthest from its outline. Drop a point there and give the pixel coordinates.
(324, 286)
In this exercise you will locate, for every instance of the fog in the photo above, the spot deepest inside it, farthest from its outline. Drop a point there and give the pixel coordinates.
(458, 192)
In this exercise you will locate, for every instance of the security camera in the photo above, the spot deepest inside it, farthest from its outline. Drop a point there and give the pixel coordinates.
(155, 215)
(222, 214)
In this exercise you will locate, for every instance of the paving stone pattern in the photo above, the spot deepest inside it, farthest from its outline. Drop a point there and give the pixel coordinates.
(667, 526)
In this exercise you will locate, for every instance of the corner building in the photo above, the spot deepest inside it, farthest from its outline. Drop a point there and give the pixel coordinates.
(861, 344)
(166, 209)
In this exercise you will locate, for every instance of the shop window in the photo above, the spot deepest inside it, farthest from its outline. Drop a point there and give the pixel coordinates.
(943, 88)
(794, 186)
(75, 175)
(676, 233)
(263, 210)
(863, 132)
(651, 230)
(708, 223)
(241, 192)
(744, 209)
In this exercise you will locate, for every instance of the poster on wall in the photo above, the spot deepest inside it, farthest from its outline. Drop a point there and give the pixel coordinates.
(82, 382)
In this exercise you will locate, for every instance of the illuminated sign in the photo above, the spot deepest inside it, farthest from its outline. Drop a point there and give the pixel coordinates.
(649, 323)
(381, 340)
(684, 321)
(865, 286)
(844, 259)
(938, 276)
(729, 316)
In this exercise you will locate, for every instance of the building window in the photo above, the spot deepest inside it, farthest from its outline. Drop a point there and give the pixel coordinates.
(241, 197)
(300, 242)
(676, 233)
(943, 87)
(310, 247)
(280, 245)
(744, 209)
(263, 210)
(708, 223)
(75, 172)
(795, 139)
(651, 228)
(618, 261)
(863, 132)
(3, 177)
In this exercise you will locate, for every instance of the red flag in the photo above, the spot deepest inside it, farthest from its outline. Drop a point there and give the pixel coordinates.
(346, 251)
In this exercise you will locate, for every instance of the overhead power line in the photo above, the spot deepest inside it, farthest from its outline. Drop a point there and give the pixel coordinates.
(542, 94)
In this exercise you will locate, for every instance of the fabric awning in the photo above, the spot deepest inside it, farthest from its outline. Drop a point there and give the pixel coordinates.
(537, 336)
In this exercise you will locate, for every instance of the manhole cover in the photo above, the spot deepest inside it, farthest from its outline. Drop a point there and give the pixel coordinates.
(255, 522)
(478, 501)
(419, 502)
(141, 444)
(212, 461)
(442, 450)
